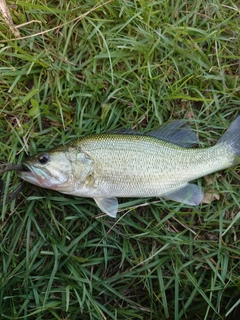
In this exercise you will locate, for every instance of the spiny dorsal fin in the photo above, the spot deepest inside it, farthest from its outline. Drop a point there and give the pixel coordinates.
(177, 132)
(126, 131)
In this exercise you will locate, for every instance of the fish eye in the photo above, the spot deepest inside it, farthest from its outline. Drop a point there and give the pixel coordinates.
(43, 158)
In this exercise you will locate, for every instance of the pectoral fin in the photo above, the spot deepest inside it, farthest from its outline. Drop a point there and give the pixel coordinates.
(189, 194)
(108, 205)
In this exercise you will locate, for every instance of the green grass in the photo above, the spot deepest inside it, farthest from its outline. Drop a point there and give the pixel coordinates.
(86, 67)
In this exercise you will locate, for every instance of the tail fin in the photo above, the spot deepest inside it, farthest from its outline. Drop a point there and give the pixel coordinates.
(232, 137)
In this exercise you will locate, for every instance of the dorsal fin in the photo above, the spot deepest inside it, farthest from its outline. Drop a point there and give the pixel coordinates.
(126, 131)
(177, 132)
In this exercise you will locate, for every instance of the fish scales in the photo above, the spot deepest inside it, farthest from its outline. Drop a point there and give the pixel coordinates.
(129, 164)
(142, 166)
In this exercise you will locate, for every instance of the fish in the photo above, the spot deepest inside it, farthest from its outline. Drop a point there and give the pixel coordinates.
(127, 163)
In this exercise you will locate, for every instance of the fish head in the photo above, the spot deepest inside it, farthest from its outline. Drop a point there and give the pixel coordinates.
(51, 169)
(61, 169)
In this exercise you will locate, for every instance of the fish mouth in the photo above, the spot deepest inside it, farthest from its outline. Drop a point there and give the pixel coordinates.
(42, 177)
(33, 174)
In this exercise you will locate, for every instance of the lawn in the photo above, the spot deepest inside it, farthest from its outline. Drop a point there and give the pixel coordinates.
(71, 68)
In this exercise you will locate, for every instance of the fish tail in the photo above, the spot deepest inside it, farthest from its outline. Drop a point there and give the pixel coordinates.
(232, 137)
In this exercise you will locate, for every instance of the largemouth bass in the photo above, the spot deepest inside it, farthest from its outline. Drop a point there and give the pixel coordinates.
(130, 164)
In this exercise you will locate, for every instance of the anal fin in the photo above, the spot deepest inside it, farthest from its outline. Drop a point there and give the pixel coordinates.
(188, 193)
